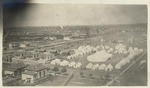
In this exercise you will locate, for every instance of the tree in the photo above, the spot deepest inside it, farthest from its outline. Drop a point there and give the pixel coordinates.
(91, 75)
(55, 69)
(63, 70)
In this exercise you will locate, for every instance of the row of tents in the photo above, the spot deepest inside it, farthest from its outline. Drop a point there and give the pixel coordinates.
(66, 63)
(120, 48)
(103, 66)
(132, 54)
(83, 50)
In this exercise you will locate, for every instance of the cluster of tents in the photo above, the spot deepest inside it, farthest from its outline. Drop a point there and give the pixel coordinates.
(103, 66)
(102, 54)
(83, 50)
(132, 53)
(66, 63)
(120, 48)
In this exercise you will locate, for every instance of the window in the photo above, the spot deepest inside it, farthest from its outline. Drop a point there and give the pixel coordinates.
(40, 74)
(44, 73)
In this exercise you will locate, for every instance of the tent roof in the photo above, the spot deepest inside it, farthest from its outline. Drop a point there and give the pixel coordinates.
(100, 56)
(109, 66)
(120, 45)
(103, 65)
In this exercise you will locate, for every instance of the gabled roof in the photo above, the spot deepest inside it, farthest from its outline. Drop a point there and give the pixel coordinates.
(29, 72)
(35, 67)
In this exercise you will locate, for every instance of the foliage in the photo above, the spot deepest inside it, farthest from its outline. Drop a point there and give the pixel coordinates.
(63, 70)
(56, 68)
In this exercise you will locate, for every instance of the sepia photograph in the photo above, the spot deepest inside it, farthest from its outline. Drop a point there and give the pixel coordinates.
(74, 45)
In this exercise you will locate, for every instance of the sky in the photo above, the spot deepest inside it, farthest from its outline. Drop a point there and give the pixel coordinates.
(74, 14)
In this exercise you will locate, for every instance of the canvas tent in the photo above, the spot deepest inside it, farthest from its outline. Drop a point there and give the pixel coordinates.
(89, 65)
(120, 64)
(102, 66)
(72, 64)
(78, 65)
(64, 63)
(53, 62)
(120, 48)
(99, 56)
(56, 62)
(95, 66)
(110, 50)
(109, 68)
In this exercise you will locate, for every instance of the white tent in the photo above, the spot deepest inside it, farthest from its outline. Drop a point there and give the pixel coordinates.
(142, 62)
(107, 47)
(89, 65)
(68, 57)
(64, 63)
(140, 50)
(110, 50)
(118, 66)
(102, 40)
(103, 47)
(78, 65)
(41, 61)
(53, 62)
(131, 50)
(120, 48)
(127, 60)
(57, 61)
(121, 63)
(109, 68)
(125, 51)
(136, 49)
(72, 64)
(102, 66)
(95, 66)
(99, 56)
(120, 45)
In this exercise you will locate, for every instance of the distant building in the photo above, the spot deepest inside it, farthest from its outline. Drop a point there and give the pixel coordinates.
(7, 58)
(34, 72)
(24, 44)
(130, 40)
(66, 37)
(13, 45)
(17, 45)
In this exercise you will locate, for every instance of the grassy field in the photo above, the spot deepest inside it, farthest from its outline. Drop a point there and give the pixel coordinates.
(136, 75)
(56, 81)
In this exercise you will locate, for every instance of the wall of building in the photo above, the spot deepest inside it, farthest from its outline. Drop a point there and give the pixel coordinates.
(9, 73)
(25, 76)
(41, 73)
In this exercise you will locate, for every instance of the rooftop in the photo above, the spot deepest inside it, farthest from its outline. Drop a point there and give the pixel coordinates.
(35, 67)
